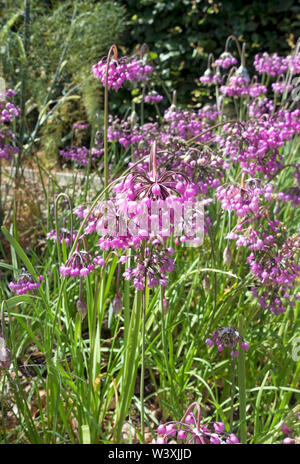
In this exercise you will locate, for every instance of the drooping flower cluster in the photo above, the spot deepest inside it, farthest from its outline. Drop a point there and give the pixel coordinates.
(152, 268)
(226, 60)
(25, 283)
(153, 97)
(64, 235)
(148, 207)
(237, 86)
(77, 126)
(82, 155)
(227, 337)
(209, 77)
(242, 200)
(78, 264)
(273, 65)
(276, 268)
(8, 112)
(281, 87)
(190, 431)
(273, 256)
(255, 144)
(122, 70)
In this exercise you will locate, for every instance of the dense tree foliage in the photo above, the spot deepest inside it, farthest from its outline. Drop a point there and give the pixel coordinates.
(183, 32)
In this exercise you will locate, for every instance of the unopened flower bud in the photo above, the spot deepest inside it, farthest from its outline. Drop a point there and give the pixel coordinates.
(117, 304)
(206, 284)
(5, 359)
(285, 429)
(288, 441)
(133, 118)
(227, 256)
(242, 72)
(277, 208)
(245, 346)
(81, 308)
(219, 427)
(166, 305)
(208, 73)
(161, 429)
(182, 434)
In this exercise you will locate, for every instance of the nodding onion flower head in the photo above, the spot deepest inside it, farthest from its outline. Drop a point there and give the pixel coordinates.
(227, 337)
(24, 283)
(209, 77)
(63, 235)
(78, 264)
(8, 112)
(121, 70)
(226, 60)
(140, 217)
(153, 97)
(190, 431)
(272, 65)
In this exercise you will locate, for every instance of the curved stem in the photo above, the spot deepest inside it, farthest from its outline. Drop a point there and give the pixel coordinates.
(56, 222)
(232, 37)
(189, 409)
(243, 54)
(210, 60)
(174, 98)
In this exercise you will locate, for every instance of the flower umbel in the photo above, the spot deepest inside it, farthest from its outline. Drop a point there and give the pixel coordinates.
(190, 431)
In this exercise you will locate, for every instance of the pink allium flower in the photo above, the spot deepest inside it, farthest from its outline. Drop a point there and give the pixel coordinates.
(189, 430)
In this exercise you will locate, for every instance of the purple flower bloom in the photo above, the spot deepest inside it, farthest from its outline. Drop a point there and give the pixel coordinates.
(189, 430)
(25, 283)
(227, 337)
(119, 71)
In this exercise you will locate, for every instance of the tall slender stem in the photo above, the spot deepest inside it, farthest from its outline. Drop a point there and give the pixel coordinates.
(23, 86)
(164, 342)
(113, 49)
(142, 384)
(242, 386)
(232, 393)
